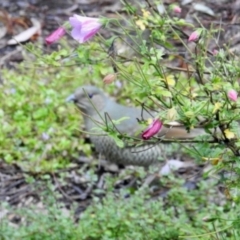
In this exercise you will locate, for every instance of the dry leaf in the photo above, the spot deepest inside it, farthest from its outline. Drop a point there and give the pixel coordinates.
(27, 34)
(203, 8)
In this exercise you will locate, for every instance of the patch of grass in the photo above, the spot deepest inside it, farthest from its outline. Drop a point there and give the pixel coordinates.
(39, 130)
(181, 214)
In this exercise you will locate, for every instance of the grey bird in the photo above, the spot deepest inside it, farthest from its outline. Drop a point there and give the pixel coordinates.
(95, 105)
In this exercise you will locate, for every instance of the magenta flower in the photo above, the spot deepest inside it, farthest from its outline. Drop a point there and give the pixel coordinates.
(193, 36)
(84, 28)
(176, 9)
(152, 129)
(55, 36)
(232, 95)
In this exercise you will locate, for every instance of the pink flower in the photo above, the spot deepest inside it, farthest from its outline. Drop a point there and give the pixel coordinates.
(84, 28)
(194, 36)
(232, 95)
(55, 36)
(176, 9)
(152, 129)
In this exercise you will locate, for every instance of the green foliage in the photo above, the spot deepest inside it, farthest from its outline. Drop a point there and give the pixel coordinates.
(197, 93)
(180, 214)
(39, 130)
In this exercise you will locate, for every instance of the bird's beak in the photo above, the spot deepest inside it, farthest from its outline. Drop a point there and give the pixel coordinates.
(71, 98)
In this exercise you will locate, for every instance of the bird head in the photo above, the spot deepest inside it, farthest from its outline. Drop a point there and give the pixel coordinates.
(88, 99)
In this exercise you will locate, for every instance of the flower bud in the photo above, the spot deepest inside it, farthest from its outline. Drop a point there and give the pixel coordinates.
(193, 36)
(232, 95)
(109, 78)
(176, 9)
(55, 36)
(215, 52)
(152, 129)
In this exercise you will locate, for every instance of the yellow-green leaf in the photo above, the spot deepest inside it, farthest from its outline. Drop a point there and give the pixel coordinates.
(170, 80)
(229, 134)
(217, 106)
